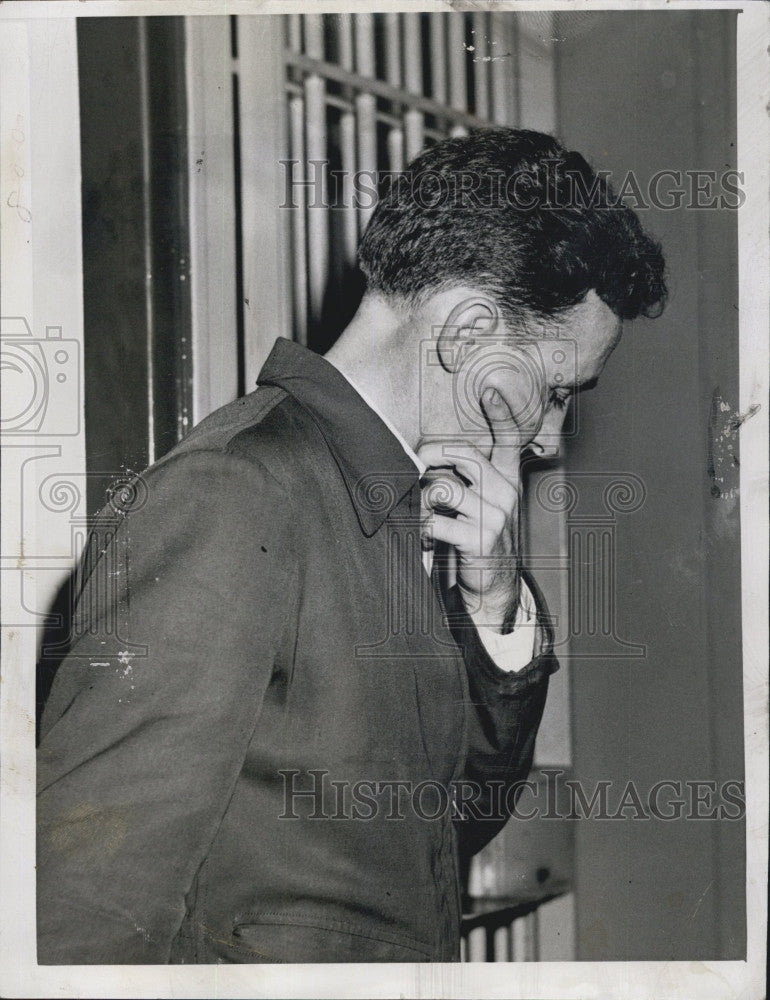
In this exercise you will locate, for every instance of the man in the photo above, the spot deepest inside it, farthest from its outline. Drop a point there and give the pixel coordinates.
(304, 730)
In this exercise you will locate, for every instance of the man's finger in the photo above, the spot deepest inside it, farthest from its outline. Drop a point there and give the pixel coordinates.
(458, 532)
(473, 466)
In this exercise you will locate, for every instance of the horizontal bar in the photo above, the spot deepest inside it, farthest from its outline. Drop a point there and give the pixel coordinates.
(381, 89)
(333, 101)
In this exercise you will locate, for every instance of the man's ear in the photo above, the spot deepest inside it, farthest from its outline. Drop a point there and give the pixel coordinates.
(471, 318)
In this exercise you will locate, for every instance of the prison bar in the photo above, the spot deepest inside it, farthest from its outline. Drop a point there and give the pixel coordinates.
(438, 57)
(298, 219)
(339, 69)
(366, 104)
(480, 23)
(379, 88)
(347, 145)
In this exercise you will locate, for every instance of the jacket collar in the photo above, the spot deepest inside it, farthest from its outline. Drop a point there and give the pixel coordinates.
(377, 471)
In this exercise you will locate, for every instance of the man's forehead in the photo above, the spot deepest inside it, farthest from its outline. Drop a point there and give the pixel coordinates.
(595, 331)
(574, 349)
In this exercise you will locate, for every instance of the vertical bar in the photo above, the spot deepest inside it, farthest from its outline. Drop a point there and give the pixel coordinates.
(476, 945)
(503, 66)
(438, 61)
(534, 937)
(501, 943)
(393, 49)
(413, 120)
(314, 36)
(212, 213)
(345, 40)
(317, 206)
(365, 45)
(367, 147)
(348, 155)
(458, 82)
(366, 106)
(347, 146)
(395, 149)
(239, 269)
(295, 32)
(526, 939)
(144, 117)
(481, 63)
(415, 134)
(266, 299)
(317, 219)
(168, 197)
(298, 220)
(413, 53)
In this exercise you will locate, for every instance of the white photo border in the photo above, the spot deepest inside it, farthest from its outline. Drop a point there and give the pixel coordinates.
(20, 976)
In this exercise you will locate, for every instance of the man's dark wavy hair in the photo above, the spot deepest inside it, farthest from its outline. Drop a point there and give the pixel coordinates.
(537, 253)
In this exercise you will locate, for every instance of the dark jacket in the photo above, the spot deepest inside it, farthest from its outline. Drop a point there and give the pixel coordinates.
(254, 621)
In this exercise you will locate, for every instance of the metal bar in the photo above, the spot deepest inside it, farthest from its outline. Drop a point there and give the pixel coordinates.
(314, 35)
(528, 925)
(364, 32)
(458, 82)
(295, 32)
(144, 118)
(379, 88)
(265, 297)
(349, 216)
(395, 149)
(367, 146)
(317, 209)
(438, 57)
(366, 104)
(345, 40)
(413, 53)
(335, 101)
(534, 919)
(299, 220)
(347, 143)
(415, 133)
(393, 49)
(211, 170)
(481, 63)
(503, 66)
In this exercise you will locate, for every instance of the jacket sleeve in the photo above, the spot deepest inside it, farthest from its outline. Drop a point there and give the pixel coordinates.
(150, 715)
(503, 720)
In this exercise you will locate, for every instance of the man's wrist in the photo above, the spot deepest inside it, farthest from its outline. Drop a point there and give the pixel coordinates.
(495, 611)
